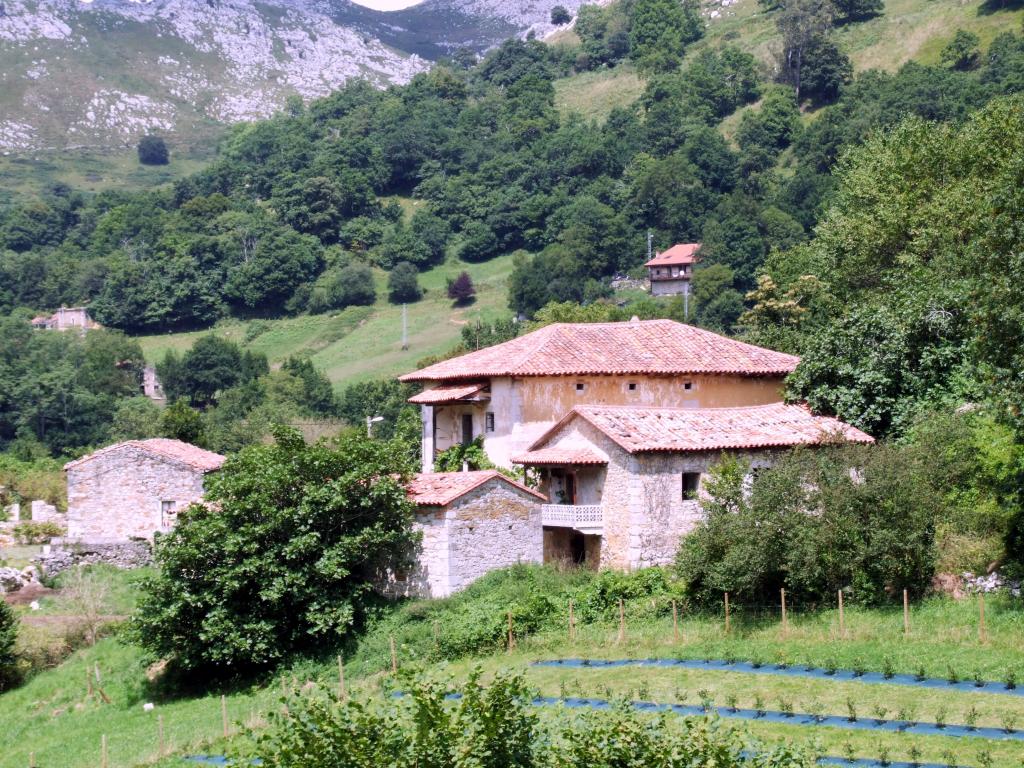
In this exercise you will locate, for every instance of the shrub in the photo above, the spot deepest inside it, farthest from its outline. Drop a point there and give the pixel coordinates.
(560, 15)
(283, 557)
(36, 532)
(403, 283)
(153, 151)
(461, 290)
(822, 519)
(492, 727)
(8, 638)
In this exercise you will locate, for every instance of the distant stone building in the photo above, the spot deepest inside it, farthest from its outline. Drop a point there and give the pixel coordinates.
(65, 319)
(472, 523)
(151, 386)
(670, 272)
(134, 489)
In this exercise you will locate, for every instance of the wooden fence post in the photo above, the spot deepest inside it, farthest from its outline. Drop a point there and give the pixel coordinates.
(906, 614)
(224, 714)
(842, 622)
(572, 621)
(727, 613)
(622, 622)
(675, 622)
(982, 634)
(785, 619)
(394, 656)
(160, 736)
(103, 751)
(511, 635)
(341, 679)
(31, 760)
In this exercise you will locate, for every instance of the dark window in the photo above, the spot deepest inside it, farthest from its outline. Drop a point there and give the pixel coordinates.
(632, 386)
(489, 422)
(467, 428)
(688, 385)
(580, 386)
(691, 484)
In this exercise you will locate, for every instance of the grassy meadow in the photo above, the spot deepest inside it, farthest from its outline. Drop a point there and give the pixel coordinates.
(63, 706)
(360, 343)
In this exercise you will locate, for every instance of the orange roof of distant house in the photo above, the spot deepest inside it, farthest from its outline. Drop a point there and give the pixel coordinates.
(438, 489)
(640, 430)
(677, 255)
(634, 347)
(557, 455)
(175, 450)
(450, 393)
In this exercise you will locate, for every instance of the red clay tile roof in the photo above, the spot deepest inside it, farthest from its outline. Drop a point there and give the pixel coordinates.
(677, 255)
(449, 393)
(438, 489)
(559, 455)
(649, 346)
(639, 430)
(176, 450)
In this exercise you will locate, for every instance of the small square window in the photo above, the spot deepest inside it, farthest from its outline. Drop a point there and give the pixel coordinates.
(489, 422)
(691, 484)
(168, 509)
(687, 385)
(580, 386)
(632, 386)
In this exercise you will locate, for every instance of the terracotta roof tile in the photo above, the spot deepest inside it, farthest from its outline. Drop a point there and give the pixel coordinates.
(559, 455)
(677, 255)
(649, 346)
(176, 450)
(449, 393)
(438, 489)
(639, 430)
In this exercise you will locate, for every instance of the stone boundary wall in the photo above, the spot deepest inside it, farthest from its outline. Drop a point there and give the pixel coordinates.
(135, 553)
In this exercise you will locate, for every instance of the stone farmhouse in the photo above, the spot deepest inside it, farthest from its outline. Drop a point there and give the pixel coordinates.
(620, 421)
(134, 489)
(670, 271)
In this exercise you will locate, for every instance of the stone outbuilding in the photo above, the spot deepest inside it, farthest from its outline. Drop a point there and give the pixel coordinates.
(471, 523)
(135, 488)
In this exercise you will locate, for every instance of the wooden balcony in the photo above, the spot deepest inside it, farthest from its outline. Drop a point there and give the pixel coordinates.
(586, 518)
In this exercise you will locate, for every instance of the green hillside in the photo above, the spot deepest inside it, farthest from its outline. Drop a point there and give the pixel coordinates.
(360, 343)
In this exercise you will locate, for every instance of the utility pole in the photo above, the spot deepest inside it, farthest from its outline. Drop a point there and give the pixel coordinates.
(686, 301)
(405, 327)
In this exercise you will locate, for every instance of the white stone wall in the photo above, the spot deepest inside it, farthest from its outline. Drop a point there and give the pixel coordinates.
(491, 527)
(118, 495)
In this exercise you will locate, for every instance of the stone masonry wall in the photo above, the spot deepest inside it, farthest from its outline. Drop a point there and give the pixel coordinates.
(492, 527)
(117, 496)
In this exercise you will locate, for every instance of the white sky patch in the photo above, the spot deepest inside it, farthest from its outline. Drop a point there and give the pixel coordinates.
(387, 5)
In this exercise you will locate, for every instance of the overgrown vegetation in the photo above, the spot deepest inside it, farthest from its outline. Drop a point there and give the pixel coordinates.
(282, 556)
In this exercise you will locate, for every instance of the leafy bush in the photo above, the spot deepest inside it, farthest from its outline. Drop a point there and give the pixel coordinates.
(473, 455)
(403, 283)
(461, 290)
(33, 532)
(282, 558)
(493, 727)
(153, 151)
(822, 519)
(8, 638)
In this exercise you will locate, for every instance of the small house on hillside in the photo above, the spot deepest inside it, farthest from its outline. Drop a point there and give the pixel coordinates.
(670, 272)
(472, 523)
(135, 488)
(65, 319)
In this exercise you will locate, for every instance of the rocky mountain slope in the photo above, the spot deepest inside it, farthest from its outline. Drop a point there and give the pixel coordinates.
(101, 73)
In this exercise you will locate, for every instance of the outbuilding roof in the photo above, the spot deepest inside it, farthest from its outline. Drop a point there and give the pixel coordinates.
(438, 489)
(641, 430)
(558, 455)
(450, 393)
(633, 347)
(677, 255)
(184, 453)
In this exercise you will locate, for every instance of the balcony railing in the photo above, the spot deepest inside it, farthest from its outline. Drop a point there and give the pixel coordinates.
(587, 518)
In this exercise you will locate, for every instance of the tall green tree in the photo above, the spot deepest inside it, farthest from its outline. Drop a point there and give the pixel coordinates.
(282, 560)
(660, 32)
